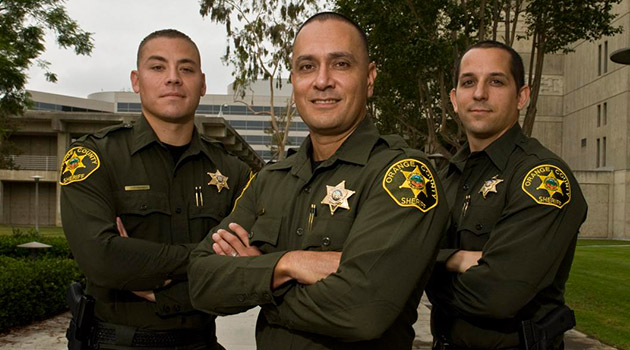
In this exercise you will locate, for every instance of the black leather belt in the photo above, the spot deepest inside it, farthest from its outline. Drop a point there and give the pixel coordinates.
(104, 333)
(439, 344)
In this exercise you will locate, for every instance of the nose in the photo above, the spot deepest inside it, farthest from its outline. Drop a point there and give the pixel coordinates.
(481, 92)
(173, 77)
(323, 79)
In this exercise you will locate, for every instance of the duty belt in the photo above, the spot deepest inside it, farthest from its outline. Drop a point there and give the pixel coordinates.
(105, 333)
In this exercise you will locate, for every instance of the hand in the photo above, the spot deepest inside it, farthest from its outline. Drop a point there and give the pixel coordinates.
(237, 244)
(463, 260)
(146, 294)
(121, 228)
(306, 267)
(149, 294)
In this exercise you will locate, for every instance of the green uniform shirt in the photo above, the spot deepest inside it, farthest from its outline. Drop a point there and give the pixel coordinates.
(166, 208)
(388, 233)
(518, 203)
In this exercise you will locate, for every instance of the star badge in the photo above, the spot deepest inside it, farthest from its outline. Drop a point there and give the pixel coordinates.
(219, 180)
(74, 163)
(337, 197)
(490, 186)
(415, 181)
(550, 183)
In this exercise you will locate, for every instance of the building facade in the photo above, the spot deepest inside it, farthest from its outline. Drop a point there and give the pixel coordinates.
(583, 115)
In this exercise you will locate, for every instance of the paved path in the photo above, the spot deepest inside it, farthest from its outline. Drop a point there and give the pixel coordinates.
(234, 332)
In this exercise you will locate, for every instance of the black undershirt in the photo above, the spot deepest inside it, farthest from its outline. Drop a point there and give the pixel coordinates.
(176, 151)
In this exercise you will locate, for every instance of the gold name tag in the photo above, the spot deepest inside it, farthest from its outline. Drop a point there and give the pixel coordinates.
(137, 188)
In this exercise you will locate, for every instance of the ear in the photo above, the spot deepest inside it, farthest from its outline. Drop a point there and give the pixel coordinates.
(370, 79)
(203, 87)
(523, 96)
(135, 81)
(453, 97)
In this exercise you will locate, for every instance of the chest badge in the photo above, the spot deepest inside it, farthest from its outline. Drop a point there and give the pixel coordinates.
(490, 186)
(219, 180)
(337, 197)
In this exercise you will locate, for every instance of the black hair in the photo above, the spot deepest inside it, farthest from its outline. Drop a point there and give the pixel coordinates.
(516, 62)
(164, 33)
(324, 16)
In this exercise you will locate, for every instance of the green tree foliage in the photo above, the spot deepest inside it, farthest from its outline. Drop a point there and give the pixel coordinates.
(23, 24)
(260, 38)
(415, 43)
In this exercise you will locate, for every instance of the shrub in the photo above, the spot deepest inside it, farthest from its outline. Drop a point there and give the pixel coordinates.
(60, 247)
(33, 289)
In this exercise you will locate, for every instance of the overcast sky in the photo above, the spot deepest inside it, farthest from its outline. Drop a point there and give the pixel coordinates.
(118, 27)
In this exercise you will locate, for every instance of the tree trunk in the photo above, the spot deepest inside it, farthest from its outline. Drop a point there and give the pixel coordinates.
(530, 115)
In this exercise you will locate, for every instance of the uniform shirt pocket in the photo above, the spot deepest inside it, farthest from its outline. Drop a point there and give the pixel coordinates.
(475, 228)
(143, 213)
(265, 232)
(329, 234)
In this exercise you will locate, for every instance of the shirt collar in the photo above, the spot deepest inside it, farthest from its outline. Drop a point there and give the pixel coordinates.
(143, 135)
(355, 149)
(498, 151)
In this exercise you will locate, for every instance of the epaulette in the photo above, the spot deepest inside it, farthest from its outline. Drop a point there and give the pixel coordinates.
(105, 131)
(397, 142)
(216, 143)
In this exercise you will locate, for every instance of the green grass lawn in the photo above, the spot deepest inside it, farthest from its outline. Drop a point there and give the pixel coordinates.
(599, 290)
(43, 230)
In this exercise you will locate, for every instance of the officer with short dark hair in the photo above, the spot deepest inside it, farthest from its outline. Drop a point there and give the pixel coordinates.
(136, 199)
(516, 209)
(335, 242)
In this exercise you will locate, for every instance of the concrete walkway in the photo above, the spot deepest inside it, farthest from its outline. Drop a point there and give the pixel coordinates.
(234, 332)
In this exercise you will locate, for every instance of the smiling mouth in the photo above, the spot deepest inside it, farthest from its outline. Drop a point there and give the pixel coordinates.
(325, 102)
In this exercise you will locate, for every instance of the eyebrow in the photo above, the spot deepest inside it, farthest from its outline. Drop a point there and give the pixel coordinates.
(493, 74)
(162, 59)
(332, 55)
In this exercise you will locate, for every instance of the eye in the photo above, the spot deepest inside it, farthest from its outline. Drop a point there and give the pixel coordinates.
(466, 83)
(157, 68)
(306, 67)
(187, 70)
(497, 82)
(342, 64)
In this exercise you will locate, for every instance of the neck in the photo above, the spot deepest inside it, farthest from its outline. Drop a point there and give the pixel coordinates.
(479, 144)
(324, 146)
(175, 134)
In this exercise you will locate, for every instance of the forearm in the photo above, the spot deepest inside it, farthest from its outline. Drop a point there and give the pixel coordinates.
(225, 285)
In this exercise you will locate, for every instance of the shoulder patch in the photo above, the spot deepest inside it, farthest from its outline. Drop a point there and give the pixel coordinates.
(77, 165)
(548, 185)
(411, 183)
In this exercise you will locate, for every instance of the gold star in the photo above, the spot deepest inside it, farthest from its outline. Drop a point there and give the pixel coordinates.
(490, 186)
(337, 197)
(218, 180)
(550, 184)
(415, 181)
(74, 163)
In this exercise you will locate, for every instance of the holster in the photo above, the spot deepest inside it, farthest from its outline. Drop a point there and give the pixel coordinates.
(82, 309)
(542, 335)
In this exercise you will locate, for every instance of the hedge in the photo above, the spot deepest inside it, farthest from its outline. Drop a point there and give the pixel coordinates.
(33, 289)
(60, 247)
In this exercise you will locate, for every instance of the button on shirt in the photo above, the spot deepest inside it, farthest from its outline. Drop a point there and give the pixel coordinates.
(527, 243)
(159, 204)
(387, 251)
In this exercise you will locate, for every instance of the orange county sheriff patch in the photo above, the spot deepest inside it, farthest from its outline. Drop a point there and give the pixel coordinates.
(548, 185)
(77, 165)
(410, 183)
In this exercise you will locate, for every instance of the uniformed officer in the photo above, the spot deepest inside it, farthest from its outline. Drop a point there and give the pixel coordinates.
(136, 199)
(347, 227)
(515, 214)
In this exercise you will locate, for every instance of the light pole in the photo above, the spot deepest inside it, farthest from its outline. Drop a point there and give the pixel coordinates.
(225, 105)
(36, 178)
